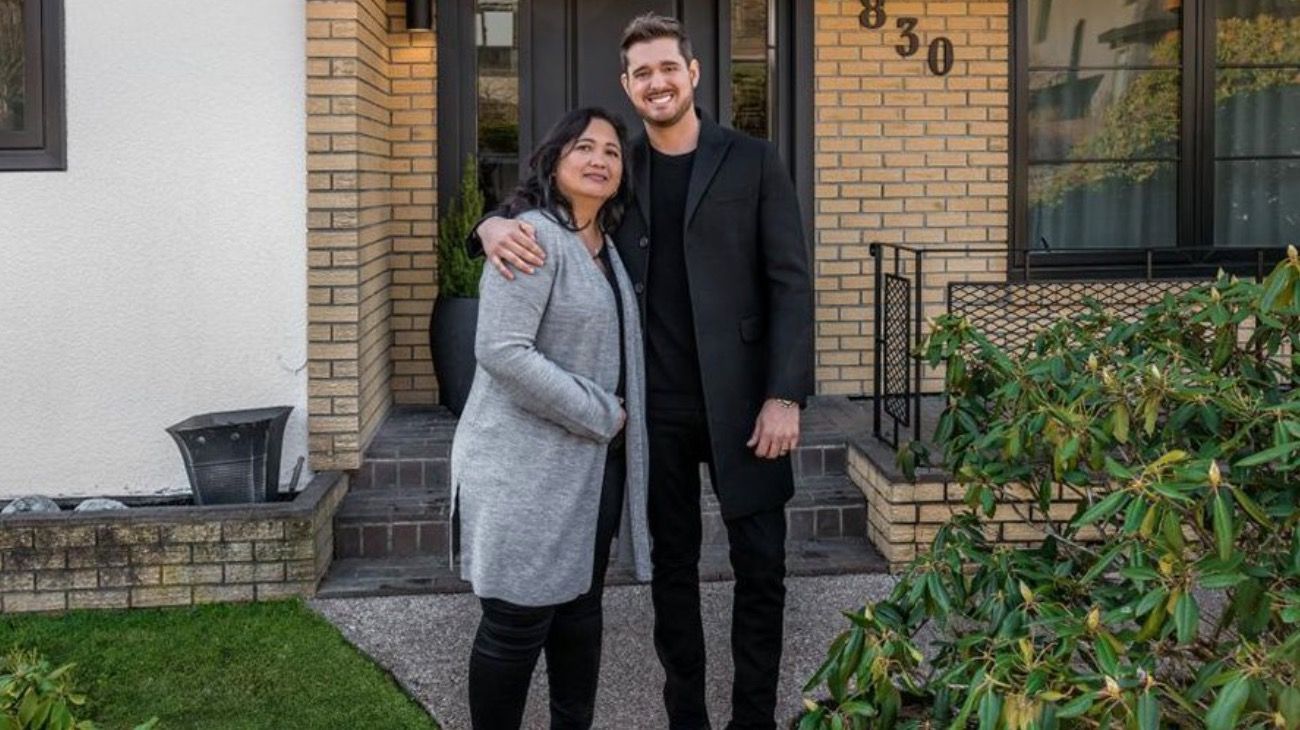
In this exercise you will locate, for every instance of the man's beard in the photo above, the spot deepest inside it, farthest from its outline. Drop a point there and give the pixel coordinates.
(687, 106)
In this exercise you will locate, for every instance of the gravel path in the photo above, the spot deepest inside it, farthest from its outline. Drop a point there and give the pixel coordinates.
(425, 640)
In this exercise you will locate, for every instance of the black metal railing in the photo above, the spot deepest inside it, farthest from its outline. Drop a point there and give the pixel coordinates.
(899, 312)
(1011, 300)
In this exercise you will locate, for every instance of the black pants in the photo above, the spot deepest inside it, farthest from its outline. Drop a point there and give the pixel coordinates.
(510, 638)
(679, 443)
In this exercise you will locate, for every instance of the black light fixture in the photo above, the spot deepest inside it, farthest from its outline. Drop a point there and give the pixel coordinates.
(419, 14)
(234, 456)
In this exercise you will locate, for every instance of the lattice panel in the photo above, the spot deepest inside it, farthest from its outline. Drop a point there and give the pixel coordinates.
(898, 349)
(1011, 314)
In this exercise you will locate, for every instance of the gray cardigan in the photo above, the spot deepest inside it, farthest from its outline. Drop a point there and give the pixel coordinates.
(528, 458)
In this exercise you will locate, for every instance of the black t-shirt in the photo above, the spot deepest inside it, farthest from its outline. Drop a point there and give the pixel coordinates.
(672, 357)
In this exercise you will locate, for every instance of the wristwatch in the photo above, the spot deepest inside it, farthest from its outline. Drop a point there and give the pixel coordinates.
(786, 403)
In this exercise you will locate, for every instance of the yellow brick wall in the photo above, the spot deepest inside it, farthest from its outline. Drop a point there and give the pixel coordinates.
(375, 209)
(370, 212)
(412, 132)
(906, 157)
(903, 517)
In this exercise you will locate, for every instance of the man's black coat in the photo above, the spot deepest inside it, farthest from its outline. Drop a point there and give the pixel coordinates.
(751, 296)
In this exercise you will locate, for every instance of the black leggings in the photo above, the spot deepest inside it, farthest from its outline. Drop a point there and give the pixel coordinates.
(510, 638)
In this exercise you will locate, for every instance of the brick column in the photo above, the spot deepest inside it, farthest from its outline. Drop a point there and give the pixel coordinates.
(370, 211)
(414, 73)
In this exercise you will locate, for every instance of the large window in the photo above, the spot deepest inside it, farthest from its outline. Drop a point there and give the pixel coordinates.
(31, 85)
(1157, 124)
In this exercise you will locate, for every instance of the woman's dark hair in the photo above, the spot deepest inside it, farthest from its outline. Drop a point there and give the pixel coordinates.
(539, 191)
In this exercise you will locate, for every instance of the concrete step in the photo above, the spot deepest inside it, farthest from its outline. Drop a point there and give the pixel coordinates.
(358, 577)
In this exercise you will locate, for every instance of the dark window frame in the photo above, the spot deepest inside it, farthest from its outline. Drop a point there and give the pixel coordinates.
(42, 145)
(1195, 188)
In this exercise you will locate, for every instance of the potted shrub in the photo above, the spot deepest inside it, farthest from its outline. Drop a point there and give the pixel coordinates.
(455, 312)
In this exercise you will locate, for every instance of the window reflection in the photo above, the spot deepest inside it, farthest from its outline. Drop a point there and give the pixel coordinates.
(1251, 30)
(12, 70)
(752, 57)
(1256, 202)
(1111, 114)
(1105, 89)
(1258, 113)
(1114, 33)
(1104, 205)
(1257, 122)
(496, 38)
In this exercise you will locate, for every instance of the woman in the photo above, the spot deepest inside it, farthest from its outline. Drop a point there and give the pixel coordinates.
(550, 451)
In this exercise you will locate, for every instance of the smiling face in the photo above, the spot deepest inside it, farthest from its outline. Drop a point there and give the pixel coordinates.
(591, 167)
(660, 82)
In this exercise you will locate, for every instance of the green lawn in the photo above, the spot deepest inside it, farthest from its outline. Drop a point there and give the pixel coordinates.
(266, 665)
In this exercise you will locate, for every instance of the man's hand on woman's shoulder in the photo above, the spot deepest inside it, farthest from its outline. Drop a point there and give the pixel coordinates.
(510, 244)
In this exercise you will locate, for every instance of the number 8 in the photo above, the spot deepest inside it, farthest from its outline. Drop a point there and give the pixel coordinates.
(873, 17)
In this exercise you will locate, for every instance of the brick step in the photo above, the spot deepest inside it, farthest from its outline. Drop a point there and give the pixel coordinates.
(431, 504)
(377, 523)
(359, 577)
(398, 504)
(412, 449)
(426, 464)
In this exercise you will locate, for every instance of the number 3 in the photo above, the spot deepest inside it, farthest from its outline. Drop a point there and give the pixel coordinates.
(905, 27)
(873, 17)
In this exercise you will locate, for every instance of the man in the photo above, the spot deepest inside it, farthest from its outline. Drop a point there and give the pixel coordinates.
(715, 249)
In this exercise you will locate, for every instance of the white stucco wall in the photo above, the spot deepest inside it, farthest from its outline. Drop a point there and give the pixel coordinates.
(164, 273)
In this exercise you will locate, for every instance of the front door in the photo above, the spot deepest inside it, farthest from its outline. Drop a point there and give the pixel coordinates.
(570, 53)
(508, 69)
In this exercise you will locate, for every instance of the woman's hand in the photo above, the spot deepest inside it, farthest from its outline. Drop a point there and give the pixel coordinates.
(508, 244)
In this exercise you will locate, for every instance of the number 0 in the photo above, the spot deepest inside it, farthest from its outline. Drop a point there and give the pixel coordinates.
(941, 56)
(873, 17)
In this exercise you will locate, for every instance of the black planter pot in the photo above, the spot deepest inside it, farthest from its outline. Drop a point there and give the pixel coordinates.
(451, 342)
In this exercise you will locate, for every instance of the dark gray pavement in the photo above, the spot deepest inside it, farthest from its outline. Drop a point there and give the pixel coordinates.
(424, 641)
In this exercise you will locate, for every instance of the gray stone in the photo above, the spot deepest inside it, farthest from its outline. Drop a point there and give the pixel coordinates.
(33, 503)
(96, 504)
(425, 642)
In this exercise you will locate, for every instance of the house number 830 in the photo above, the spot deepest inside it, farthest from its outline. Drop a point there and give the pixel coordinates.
(940, 56)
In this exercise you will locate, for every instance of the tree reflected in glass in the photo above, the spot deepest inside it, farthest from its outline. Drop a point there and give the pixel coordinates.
(1105, 96)
(1257, 123)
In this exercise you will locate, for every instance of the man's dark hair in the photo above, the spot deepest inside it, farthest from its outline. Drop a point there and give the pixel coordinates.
(539, 191)
(651, 27)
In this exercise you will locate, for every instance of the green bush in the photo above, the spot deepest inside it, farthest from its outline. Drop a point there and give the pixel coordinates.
(458, 273)
(35, 696)
(1171, 598)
